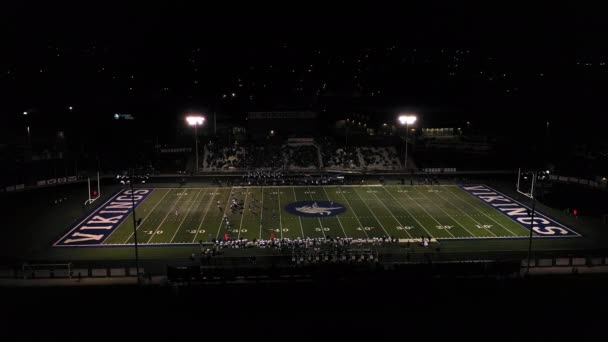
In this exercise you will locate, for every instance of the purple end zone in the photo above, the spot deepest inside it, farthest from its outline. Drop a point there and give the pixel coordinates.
(95, 228)
(544, 226)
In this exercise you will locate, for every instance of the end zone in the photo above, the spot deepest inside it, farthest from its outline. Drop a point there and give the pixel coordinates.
(544, 226)
(98, 225)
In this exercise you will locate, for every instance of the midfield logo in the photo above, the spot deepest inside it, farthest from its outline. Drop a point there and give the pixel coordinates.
(315, 208)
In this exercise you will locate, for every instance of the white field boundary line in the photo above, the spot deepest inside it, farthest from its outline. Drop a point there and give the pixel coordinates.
(149, 213)
(462, 211)
(457, 195)
(373, 214)
(307, 186)
(337, 216)
(295, 198)
(392, 214)
(243, 215)
(224, 213)
(354, 213)
(299, 186)
(205, 215)
(165, 218)
(318, 218)
(445, 212)
(187, 213)
(409, 213)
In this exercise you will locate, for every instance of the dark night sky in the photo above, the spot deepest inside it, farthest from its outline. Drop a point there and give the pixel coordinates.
(160, 60)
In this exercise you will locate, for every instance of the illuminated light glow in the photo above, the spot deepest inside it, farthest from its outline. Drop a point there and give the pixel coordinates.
(195, 120)
(407, 119)
(24, 113)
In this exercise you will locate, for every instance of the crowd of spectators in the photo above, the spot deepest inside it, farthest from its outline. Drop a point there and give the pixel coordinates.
(274, 157)
(384, 158)
(299, 243)
(305, 156)
(339, 156)
(265, 157)
(221, 157)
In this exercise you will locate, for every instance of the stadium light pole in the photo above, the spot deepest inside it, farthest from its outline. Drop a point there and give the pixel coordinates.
(134, 224)
(195, 120)
(406, 120)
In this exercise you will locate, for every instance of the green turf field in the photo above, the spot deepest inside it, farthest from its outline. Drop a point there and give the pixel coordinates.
(190, 215)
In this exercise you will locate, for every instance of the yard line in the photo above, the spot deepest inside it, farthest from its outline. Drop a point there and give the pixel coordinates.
(370, 210)
(187, 212)
(295, 198)
(320, 224)
(222, 219)
(280, 216)
(163, 221)
(360, 224)
(261, 215)
(151, 210)
(243, 214)
(479, 223)
(500, 224)
(401, 224)
(438, 206)
(408, 212)
(337, 216)
(203, 219)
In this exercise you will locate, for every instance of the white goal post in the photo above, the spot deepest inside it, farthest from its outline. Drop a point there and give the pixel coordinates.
(523, 178)
(93, 199)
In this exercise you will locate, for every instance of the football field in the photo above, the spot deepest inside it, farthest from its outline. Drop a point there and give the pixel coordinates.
(177, 216)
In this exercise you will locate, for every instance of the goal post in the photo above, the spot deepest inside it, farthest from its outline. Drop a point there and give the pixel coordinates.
(526, 181)
(97, 194)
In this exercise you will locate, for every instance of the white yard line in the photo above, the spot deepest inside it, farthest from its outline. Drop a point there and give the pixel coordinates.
(144, 219)
(428, 214)
(401, 224)
(280, 216)
(295, 198)
(353, 210)
(261, 215)
(488, 216)
(462, 211)
(243, 215)
(412, 216)
(224, 213)
(445, 212)
(204, 216)
(187, 212)
(163, 221)
(337, 216)
(371, 211)
(320, 223)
